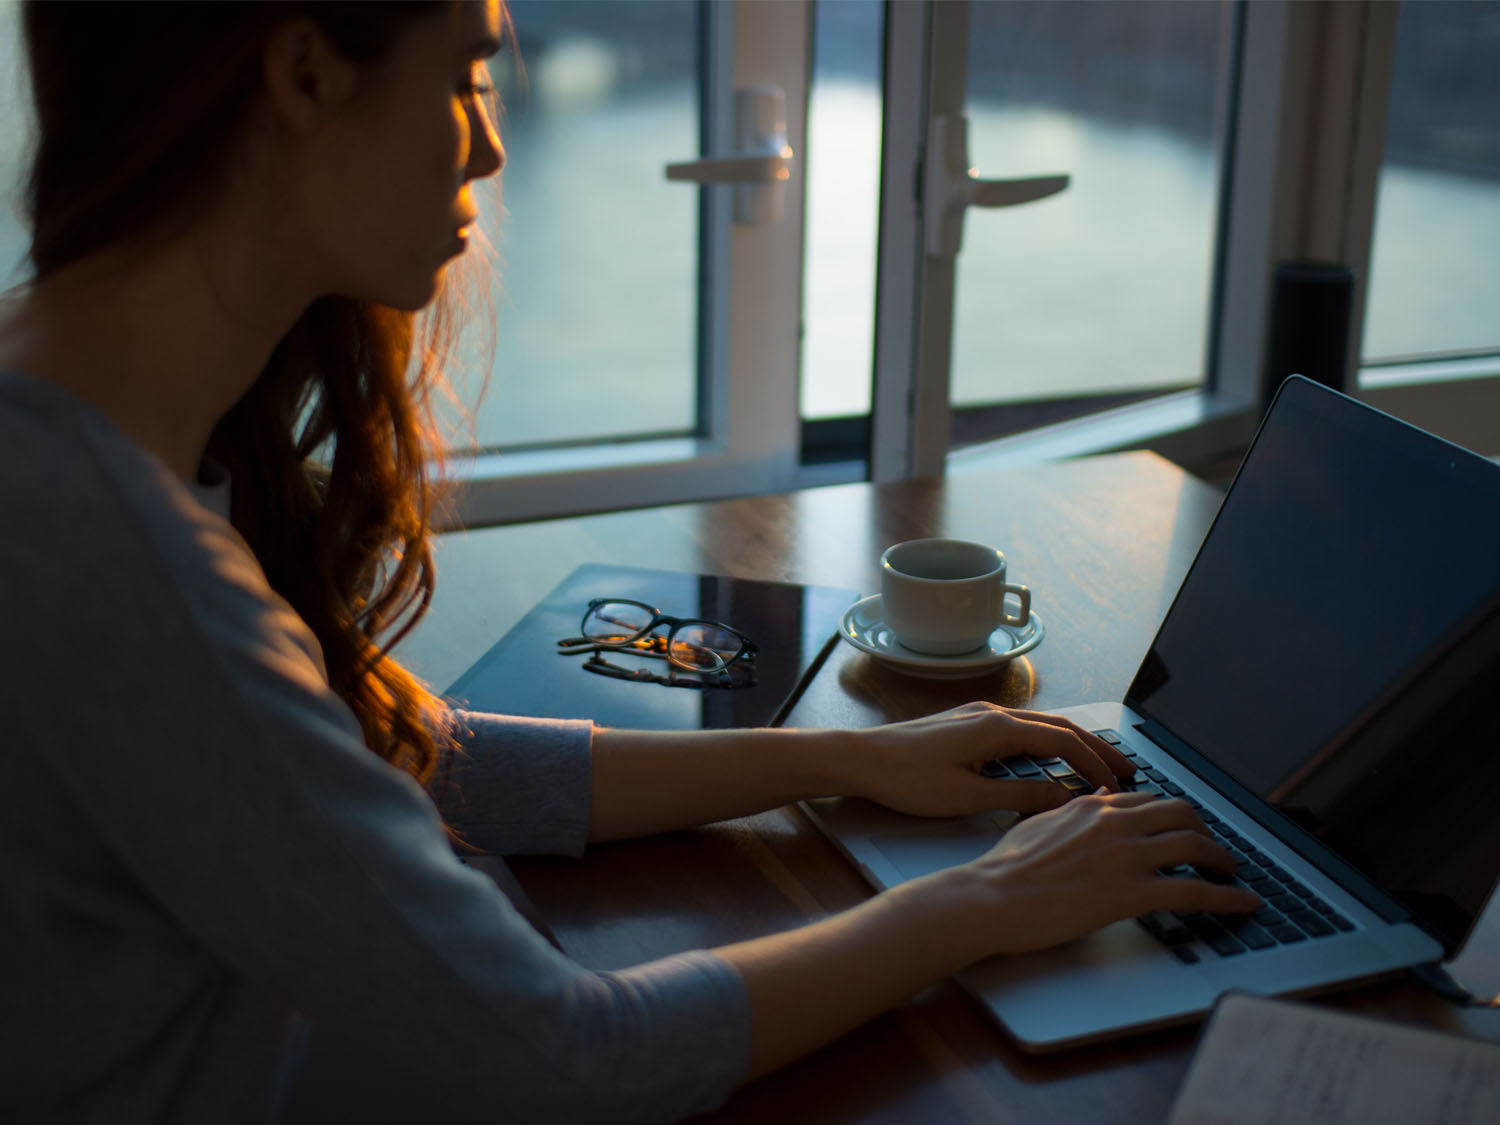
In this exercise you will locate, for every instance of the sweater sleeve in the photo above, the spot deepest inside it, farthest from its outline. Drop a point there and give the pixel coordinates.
(208, 754)
(517, 785)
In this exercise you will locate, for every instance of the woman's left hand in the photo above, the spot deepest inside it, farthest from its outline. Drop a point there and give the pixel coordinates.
(930, 766)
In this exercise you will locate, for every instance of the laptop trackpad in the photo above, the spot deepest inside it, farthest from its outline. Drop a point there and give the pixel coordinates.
(934, 847)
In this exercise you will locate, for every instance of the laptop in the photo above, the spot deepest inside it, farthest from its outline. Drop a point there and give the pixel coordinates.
(1323, 689)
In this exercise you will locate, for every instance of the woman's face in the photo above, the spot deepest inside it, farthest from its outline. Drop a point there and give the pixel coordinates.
(395, 201)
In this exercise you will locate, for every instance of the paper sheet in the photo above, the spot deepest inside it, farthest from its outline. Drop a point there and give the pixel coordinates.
(1275, 1062)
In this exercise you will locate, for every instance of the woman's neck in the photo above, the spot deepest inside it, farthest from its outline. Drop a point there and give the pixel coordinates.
(163, 343)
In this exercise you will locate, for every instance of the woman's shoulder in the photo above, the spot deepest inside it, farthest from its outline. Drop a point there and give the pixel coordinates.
(89, 511)
(66, 468)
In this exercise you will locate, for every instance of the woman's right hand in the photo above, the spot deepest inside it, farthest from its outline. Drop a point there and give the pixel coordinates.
(1065, 873)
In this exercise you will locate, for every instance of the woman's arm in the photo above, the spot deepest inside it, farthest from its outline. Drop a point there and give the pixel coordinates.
(645, 782)
(1052, 878)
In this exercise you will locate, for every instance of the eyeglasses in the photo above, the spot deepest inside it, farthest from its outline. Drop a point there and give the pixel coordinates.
(705, 648)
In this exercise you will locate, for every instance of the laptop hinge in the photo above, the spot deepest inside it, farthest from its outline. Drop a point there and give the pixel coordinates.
(1308, 846)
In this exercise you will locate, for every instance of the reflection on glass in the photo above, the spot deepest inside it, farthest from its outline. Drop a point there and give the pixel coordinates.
(1432, 282)
(598, 253)
(842, 208)
(1106, 287)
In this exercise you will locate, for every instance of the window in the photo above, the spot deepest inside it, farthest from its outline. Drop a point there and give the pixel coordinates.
(14, 136)
(1103, 293)
(651, 348)
(1434, 289)
(592, 234)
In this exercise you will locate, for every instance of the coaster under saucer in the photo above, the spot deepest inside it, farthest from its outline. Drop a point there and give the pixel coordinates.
(863, 626)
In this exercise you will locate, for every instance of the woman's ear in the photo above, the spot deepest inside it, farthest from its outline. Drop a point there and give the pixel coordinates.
(306, 75)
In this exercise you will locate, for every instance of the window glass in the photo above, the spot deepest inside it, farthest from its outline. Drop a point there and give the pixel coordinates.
(841, 213)
(597, 252)
(1104, 289)
(15, 100)
(1433, 286)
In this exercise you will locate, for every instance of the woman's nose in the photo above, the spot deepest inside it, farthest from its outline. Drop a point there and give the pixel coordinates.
(486, 151)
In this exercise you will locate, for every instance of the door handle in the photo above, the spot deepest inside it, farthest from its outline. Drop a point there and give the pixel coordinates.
(950, 186)
(761, 163)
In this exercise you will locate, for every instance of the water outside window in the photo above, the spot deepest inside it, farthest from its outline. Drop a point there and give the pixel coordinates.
(1433, 286)
(842, 211)
(15, 139)
(1104, 288)
(598, 254)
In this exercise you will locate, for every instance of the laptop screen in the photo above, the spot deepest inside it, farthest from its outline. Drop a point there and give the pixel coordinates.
(1335, 647)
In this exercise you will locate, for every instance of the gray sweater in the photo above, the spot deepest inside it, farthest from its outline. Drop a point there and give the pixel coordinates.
(197, 851)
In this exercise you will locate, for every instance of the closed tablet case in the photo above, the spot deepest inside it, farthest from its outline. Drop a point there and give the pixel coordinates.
(793, 626)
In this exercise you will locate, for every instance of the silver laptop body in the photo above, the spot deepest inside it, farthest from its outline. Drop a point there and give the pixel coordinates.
(1349, 752)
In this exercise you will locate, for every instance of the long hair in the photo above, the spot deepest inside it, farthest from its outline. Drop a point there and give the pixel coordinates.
(139, 110)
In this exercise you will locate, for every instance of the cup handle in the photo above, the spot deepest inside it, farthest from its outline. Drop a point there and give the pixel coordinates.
(1024, 594)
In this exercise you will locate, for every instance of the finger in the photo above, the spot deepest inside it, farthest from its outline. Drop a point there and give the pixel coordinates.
(1049, 740)
(1118, 763)
(1175, 892)
(1024, 796)
(1182, 845)
(1160, 814)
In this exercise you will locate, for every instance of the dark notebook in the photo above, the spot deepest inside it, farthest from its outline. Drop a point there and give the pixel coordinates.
(523, 674)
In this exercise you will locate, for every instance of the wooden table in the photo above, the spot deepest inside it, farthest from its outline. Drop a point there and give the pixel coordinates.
(1103, 542)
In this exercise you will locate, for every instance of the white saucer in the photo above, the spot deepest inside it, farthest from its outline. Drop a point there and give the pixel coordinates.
(863, 627)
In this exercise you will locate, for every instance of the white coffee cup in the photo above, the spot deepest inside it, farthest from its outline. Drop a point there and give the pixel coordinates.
(946, 596)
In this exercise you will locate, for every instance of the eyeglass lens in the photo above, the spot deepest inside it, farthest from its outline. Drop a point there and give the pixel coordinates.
(616, 623)
(699, 646)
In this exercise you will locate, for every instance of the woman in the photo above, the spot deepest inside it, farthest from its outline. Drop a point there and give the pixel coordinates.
(236, 207)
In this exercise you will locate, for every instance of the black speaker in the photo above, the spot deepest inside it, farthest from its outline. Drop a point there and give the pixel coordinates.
(1311, 304)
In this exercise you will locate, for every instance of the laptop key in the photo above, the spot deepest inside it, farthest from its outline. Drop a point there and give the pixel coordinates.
(1278, 872)
(1208, 816)
(1109, 736)
(1258, 856)
(1340, 923)
(1310, 923)
(1268, 915)
(1213, 875)
(995, 768)
(1286, 933)
(1247, 931)
(1165, 927)
(1283, 902)
(1215, 936)
(1185, 954)
(1296, 888)
(1153, 773)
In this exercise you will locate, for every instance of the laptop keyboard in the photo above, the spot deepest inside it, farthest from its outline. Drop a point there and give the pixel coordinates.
(1291, 911)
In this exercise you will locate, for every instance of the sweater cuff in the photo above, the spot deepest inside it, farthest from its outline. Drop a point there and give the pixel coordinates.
(518, 786)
